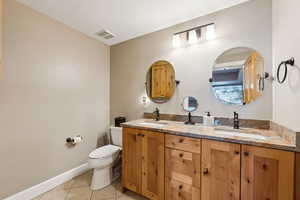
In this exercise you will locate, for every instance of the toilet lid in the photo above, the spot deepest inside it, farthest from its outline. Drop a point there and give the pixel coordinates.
(105, 151)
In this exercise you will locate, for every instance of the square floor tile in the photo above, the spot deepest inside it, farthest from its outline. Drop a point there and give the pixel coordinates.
(55, 194)
(108, 192)
(83, 180)
(66, 186)
(80, 193)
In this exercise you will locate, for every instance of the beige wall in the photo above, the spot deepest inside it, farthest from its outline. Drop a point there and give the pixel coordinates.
(248, 24)
(286, 43)
(55, 85)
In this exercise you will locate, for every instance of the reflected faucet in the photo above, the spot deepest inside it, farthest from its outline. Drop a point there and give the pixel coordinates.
(156, 114)
(236, 121)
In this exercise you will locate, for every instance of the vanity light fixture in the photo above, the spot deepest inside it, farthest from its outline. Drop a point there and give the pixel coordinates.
(176, 40)
(194, 35)
(193, 38)
(210, 32)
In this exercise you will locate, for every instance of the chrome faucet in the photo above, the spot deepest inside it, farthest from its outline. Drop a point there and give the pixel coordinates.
(236, 121)
(156, 114)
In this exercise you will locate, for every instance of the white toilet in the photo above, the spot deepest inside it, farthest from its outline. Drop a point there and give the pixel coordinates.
(103, 159)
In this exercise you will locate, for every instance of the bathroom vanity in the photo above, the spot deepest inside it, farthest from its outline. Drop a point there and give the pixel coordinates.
(169, 160)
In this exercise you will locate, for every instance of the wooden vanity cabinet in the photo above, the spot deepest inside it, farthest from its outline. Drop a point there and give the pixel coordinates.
(220, 170)
(143, 163)
(267, 174)
(161, 166)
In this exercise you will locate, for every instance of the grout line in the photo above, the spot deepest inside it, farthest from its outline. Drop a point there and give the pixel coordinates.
(80, 186)
(92, 195)
(69, 190)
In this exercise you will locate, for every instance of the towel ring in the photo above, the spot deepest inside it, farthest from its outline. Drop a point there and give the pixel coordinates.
(290, 62)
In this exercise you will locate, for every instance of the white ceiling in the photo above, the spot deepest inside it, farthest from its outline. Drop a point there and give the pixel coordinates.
(126, 19)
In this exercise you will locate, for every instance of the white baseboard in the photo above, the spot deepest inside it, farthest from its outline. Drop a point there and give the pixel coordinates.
(48, 185)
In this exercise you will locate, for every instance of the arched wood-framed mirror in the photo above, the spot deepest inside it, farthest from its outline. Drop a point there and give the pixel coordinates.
(238, 76)
(160, 81)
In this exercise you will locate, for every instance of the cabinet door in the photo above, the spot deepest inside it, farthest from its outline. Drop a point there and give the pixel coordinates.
(221, 169)
(297, 175)
(183, 166)
(132, 157)
(153, 165)
(267, 174)
(182, 175)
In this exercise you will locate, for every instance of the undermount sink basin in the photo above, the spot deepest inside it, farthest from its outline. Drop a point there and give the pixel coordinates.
(240, 134)
(156, 124)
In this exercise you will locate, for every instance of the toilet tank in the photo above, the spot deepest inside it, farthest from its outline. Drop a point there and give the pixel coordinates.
(116, 135)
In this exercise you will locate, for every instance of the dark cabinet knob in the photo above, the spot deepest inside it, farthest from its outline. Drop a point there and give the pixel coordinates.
(205, 171)
(246, 153)
(181, 155)
(264, 167)
(180, 187)
(181, 140)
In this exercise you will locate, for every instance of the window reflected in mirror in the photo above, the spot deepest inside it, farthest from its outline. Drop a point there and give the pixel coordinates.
(238, 76)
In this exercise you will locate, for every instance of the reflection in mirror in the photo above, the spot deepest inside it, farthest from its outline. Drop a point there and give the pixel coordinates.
(238, 76)
(160, 82)
(190, 104)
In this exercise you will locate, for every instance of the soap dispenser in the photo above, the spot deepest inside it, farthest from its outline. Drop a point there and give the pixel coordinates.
(208, 120)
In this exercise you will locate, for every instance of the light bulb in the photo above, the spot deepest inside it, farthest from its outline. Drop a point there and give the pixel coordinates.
(176, 40)
(210, 32)
(193, 38)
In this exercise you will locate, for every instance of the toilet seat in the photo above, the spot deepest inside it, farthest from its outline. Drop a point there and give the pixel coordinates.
(104, 152)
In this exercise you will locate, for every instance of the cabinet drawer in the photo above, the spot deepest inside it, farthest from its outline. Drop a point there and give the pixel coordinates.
(176, 190)
(183, 166)
(183, 143)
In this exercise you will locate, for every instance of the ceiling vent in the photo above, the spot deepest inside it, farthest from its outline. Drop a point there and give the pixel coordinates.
(105, 34)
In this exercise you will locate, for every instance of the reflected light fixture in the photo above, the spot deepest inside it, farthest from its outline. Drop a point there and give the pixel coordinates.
(210, 32)
(176, 40)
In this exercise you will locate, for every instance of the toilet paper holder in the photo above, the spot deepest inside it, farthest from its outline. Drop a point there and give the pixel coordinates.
(74, 140)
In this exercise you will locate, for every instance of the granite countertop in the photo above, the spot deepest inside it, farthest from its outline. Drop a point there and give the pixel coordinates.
(249, 136)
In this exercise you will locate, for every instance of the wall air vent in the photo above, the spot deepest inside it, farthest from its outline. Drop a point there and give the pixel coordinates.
(105, 34)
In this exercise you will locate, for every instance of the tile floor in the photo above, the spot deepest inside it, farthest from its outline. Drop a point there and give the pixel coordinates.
(78, 189)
